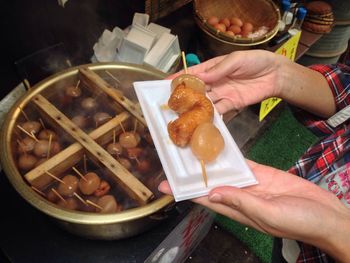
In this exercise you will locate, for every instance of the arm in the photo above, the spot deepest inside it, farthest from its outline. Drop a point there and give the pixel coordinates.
(285, 205)
(305, 88)
(243, 78)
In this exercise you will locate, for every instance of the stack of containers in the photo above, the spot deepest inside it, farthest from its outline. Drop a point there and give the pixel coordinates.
(331, 45)
(150, 44)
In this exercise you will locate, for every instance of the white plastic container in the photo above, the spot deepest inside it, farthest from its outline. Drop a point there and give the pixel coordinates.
(181, 167)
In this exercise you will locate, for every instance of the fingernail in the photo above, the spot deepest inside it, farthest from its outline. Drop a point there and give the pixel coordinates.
(215, 198)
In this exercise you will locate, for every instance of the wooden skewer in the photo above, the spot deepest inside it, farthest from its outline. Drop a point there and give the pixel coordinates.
(79, 173)
(59, 196)
(113, 77)
(38, 191)
(204, 173)
(32, 133)
(121, 125)
(93, 204)
(78, 83)
(49, 149)
(26, 132)
(85, 166)
(137, 160)
(42, 123)
(24, 114)
(80, 199)
(184, 61)
(55, 177)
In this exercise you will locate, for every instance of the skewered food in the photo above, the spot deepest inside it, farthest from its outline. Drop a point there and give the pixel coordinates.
(189, 81)
(26, 145)
(69, 185)
(108, 204)
(31, 126)
(26, 162)
(194, 108)
(207, 142)
(73, 91)
(46, 133)
(129, 139)
(101, 118)
(89, 183)
(102, 189)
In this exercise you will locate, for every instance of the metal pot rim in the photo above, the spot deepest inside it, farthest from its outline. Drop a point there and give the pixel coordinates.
(41, 203)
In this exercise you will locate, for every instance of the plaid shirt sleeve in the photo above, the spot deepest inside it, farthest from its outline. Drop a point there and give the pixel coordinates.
(338, 78)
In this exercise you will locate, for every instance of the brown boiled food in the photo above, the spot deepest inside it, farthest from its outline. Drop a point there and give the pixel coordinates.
(80, 121)
(90, 184)
(126, 163)
(190, 81)
(69, 186)
(26, 162)
(207, 142)
(45, 135)
(32, 126)
(108, 204)
(89, 104)
(41, 148)
(73, 91)
(26, 145)
(70, 203)
(114, 149)
(129, 139)
(103, 189)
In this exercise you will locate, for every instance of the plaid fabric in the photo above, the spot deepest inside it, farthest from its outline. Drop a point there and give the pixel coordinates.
(331, 152)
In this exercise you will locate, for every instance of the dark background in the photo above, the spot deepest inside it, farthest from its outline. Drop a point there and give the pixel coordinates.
(29, 26)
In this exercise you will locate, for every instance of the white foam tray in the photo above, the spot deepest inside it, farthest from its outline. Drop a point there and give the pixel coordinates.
(182, 168)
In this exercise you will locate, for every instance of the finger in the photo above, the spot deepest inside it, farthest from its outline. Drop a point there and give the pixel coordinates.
(244, 202)
(197, 69)
(223, 68)
(164, 187)
(224, 105)
(227, 211)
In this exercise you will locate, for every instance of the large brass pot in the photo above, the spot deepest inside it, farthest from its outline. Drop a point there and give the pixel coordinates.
(91, 225)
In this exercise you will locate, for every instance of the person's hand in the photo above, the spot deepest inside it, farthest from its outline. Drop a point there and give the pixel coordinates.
(239, 79)
(283, 205)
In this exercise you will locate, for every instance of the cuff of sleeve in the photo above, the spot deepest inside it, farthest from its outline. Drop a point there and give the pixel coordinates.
(337, 82)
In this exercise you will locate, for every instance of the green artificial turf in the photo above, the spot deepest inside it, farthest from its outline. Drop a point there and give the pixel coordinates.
(280, 146)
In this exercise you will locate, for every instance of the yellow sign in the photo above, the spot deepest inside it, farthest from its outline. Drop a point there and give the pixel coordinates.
(289, 50)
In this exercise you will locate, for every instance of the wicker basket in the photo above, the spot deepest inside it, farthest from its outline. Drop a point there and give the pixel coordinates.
(257, 12)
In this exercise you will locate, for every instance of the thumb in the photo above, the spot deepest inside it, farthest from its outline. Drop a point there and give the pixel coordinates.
(240, 200)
